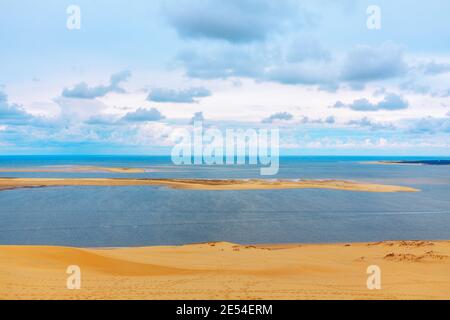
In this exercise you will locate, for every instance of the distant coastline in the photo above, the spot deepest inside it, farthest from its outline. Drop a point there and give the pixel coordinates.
(413, 162)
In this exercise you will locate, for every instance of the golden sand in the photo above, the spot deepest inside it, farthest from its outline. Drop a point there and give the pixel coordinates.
(409, 270)
(198, 184)
(83, 169)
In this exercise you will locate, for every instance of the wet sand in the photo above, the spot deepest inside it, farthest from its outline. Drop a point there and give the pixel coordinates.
(409, 270)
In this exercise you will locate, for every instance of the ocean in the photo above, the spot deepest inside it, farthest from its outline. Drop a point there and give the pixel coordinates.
(143, 216)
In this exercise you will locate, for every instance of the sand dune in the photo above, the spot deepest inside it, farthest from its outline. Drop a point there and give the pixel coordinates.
(229, 271)
(199, 184)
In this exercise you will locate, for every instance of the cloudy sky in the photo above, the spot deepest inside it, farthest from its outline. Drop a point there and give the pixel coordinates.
(137, 70)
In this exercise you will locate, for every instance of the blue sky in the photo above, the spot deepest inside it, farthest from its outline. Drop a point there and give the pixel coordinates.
(137, 70)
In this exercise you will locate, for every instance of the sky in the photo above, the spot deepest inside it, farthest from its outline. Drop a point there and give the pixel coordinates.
(334, 76)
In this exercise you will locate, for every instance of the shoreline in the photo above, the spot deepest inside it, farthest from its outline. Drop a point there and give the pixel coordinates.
(415, 269)
(203, 184)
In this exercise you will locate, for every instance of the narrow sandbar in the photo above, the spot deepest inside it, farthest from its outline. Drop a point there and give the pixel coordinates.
(202, 184)
(75, 169)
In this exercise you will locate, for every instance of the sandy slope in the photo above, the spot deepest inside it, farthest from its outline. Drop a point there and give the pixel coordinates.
(410, 270)
(199, 184)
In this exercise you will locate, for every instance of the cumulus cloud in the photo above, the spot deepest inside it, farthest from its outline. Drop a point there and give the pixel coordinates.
(183, 96)
(83, 91)
(372, 125)
(330, 120)
(327, 120)
(102, 119)
(12, 113)
(79, 110)
(430, 125)
(257, 62)
(435, 68)
(391, 101)
(305, 48)
(142, 115)
(303, 73)
(280, 116)
(223, 61)
(414, 86)
(302, 62)
(235, 21)
(367, 63)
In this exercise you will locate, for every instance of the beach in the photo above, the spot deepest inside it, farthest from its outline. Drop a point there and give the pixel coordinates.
(409, 270)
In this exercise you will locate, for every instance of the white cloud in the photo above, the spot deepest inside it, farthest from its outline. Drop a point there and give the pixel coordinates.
(83, 91)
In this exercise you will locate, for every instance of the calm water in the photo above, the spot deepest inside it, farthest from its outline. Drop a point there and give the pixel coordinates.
(138, 216)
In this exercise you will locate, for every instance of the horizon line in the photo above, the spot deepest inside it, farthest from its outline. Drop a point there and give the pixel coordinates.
(168, 155)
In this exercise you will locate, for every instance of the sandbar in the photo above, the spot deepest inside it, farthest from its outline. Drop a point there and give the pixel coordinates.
(203, 184)
(75, 169)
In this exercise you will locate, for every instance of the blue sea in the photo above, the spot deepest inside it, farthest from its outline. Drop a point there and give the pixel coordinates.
(143, 216)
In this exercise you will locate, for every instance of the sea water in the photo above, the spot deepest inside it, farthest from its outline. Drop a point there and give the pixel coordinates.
(152, 215)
